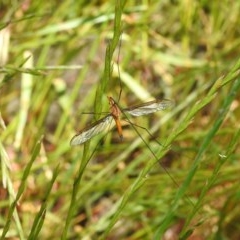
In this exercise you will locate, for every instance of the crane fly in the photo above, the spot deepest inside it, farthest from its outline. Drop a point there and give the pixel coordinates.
(115, 114)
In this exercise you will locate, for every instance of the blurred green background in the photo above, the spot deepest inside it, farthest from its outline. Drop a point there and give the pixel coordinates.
(178, 179)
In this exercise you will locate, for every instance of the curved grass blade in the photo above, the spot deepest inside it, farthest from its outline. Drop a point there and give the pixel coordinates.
(26, 173)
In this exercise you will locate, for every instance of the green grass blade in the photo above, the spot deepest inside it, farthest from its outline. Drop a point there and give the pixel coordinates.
(202, 149)
(73, 204)
(39, 218)
(21, 189)
(105, 80)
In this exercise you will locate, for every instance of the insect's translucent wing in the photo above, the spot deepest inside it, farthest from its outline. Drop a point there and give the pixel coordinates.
(92, 130)
(149, 107)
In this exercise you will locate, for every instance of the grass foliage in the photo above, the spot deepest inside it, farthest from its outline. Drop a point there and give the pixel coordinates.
(176, 176)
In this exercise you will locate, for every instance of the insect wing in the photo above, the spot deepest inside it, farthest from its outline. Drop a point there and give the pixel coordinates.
(149, 107)
(92, 130)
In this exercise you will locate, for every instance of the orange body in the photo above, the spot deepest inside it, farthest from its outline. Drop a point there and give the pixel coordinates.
(116, 113)
(119, 127)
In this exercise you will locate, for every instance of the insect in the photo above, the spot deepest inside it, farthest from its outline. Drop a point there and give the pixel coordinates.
(115, 114)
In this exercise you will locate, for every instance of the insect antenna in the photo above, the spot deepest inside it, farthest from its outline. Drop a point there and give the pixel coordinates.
(118, 69)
